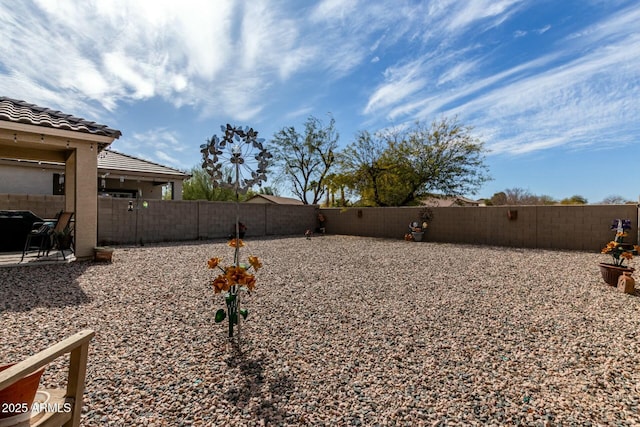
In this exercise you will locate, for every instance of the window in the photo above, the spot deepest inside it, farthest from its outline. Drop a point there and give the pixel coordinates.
(58, 184)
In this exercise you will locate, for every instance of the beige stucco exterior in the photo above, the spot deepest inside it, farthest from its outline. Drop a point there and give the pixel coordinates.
(78, 151)
(34, 178)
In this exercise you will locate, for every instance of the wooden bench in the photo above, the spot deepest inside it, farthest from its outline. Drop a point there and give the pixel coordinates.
(78, 347)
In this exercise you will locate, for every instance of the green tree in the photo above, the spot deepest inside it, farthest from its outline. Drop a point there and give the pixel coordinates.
(520, 196)
(365, 163)
(400, 167)
(305, 160)
(546, 200)
(498, 199)
(200, 187)
(270, 191)
(337, 183)
(574, 200)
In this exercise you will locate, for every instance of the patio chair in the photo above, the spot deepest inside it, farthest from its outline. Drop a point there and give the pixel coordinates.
(61, 235)
(38, 238)
(48, 235)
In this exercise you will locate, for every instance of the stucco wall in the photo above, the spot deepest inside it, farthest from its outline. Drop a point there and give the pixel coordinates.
(31, 179)
(26, 180)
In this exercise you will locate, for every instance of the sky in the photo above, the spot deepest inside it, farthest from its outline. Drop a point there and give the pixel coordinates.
(551, 87)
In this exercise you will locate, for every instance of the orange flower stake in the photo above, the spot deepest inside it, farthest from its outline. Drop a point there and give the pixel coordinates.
(238, 146)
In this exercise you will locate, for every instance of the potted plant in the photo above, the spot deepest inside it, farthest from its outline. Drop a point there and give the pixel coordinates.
(417, 230)
(619, 252)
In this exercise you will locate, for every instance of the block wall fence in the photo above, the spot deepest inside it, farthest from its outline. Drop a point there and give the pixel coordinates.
(575, 227)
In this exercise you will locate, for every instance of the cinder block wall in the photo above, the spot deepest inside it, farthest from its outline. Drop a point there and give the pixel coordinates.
(579, 227)
(175, 220)
(44, 206)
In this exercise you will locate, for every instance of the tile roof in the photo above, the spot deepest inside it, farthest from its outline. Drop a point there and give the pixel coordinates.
(444, 201)
(278, 199)
(113, 160)
(13, 110)
(117, 164)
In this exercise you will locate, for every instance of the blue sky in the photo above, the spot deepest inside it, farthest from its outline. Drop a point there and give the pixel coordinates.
(552, 87)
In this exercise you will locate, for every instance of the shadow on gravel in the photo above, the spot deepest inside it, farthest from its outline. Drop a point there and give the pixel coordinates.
(47, 286)
(253, 386)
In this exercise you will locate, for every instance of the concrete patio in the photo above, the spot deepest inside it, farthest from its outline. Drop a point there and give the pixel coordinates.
(14, 259)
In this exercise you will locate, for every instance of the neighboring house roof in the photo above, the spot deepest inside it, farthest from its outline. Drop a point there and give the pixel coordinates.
(276, 199)
(16, 111)
(115, 163)
(449, 201)
(110, 160)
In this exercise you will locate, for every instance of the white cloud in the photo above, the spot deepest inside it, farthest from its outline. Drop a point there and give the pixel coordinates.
(583, 102)
(400, 82)
(543, 29)
(229, 59)
(475, 10)
(332, 10)
(457, 71)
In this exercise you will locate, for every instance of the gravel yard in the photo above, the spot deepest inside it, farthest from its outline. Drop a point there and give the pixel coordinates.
(341, 331)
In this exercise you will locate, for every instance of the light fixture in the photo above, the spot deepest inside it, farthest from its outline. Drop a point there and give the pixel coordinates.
(91, 147)
(41, 137)
(15, 137)
(67, 143)
(130, 208)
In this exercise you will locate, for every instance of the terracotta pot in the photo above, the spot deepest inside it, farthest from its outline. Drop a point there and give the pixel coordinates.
(611, 273)
(19, 395)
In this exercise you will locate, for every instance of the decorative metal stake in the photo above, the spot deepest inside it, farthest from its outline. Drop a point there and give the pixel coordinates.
(239, 147)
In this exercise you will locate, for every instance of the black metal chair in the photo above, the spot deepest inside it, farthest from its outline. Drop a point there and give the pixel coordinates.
(41, 234)
(48, 235)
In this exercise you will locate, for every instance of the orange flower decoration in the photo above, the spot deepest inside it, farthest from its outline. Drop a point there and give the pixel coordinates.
(232, 243)
(626, 255)
(235, 275)
(251, 282)
(220, 284)
(255, 262)
(213, 262)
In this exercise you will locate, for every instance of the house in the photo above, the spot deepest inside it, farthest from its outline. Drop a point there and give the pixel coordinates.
(118, 175)
(448, 201)
(32, 133)
(273, 200)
